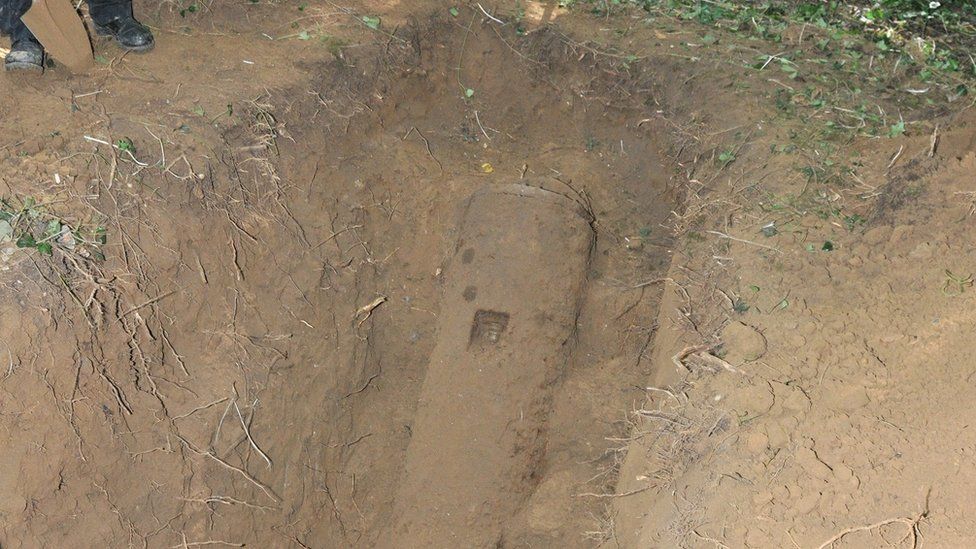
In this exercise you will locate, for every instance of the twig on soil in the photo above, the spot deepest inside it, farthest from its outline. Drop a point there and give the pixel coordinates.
(464, 42)
(614, 495)
(247, 432)
(478, 120)
(701, 352)
(119, 395)
(658, 414)
(715, 362)
(367, 310)
(226, 500)
(911, 522)
(515, 51)
(364, 387)
(896, 157)
(934, 141)
(267, 491)
(179, 357)
(216, 435)
(10, 362)
(208, 542)
(679, 358)
(651, 282)
(239, 228)
(490, 16)
(717, 543)
(744, 241)
(198, 408)
(335, 234)
(665, 391)
(147, 303)
(426, 143)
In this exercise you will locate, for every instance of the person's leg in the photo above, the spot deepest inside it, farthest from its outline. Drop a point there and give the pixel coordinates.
(114, 18)
(25, 51)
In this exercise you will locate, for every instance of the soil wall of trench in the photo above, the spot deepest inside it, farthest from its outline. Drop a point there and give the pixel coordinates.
(251, 362)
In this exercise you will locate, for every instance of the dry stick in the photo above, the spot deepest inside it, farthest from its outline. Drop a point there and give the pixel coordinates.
(623, 495)
(227, 500)
(367, 310)
(679, 358)
(490, 16)
(267, 491)
(239, 228)
(208, 542)
(150, 302)
(119, 395)
(478, 120)
(665, 391)
(896, 157)
(730, 237)
(651, 282)
(179, 357)
(335, 234)
(464, 42)
(715, 362)
(717, 543)
(912, 524)
(10, 365)
(249, 438)
(426, 143)
(216, 436)
(934, 141)
(515, 51)
(198, 408)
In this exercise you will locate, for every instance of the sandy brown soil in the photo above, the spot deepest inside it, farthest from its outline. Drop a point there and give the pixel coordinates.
(847, 421)
(244, 365)
(255, 355)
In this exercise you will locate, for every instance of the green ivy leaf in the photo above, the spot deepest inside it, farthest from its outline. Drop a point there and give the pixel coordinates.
(6, 231)
(125, 144)
(45, 248)
(371, 22)
(26, 241)
(897, 129)
(53, 228)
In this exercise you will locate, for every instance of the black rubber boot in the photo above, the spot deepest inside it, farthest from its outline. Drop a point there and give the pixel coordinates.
(25, 51)
(26, 54)
(114, 18)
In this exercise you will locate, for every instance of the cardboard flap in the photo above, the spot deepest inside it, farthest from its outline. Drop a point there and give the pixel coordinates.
(60, 30)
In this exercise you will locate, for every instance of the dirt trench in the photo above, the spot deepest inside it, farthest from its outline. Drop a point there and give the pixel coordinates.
(245, 365)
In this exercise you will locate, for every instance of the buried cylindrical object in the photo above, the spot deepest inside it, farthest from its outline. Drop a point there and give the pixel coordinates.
(512, 292)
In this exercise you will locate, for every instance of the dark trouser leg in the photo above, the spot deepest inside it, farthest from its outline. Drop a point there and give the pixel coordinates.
(114, 18)
(10, 23)
(103, 11)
